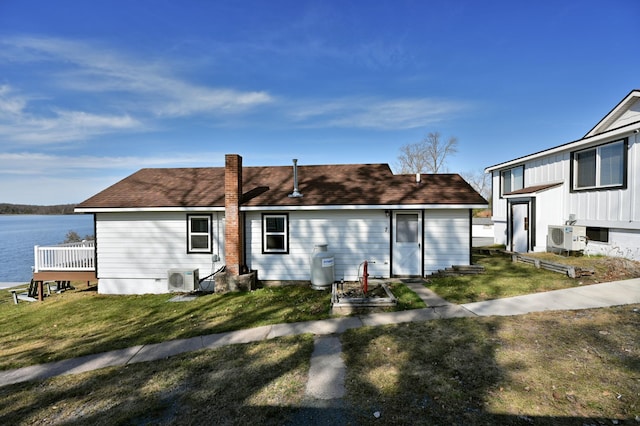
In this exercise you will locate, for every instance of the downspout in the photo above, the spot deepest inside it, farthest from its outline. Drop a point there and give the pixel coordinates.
(636, 160)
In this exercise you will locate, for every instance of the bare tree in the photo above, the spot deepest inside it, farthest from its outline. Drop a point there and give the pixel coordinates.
(480, 181)
(427, 156)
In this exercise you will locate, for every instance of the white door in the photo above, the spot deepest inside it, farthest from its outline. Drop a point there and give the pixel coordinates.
(407, 244)
(520, 227)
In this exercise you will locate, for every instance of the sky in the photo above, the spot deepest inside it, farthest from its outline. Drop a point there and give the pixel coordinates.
(92, 91)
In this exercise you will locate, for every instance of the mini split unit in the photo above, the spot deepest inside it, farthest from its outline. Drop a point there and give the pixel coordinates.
(567, 237)
(183, 280)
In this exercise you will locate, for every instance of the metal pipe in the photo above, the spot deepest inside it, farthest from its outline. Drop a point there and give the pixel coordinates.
(365, 278)
(295, 193)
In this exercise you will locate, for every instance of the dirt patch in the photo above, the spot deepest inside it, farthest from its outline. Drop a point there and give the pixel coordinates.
(605, 269)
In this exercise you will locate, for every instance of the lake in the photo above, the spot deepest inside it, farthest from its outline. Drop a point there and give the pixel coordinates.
(20, 233)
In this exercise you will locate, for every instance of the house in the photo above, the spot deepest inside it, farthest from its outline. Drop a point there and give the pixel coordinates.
(588, 189)
(269, 219)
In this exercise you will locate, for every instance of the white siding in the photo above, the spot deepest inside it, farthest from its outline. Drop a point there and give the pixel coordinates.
(135, 250)
(630, 116)
(446, 239)
(617, 209)
(623, 243)
(545, 215)
(352, 237)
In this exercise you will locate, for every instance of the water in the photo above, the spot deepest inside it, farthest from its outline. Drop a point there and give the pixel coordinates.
(20, 233)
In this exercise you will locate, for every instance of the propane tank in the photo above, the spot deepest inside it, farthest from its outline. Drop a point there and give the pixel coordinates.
(322, 268)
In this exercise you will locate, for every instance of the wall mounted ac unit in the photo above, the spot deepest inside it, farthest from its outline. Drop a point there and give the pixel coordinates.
(567, 237)
(183, 279)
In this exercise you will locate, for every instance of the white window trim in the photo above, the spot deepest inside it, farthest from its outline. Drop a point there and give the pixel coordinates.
(598, 174)
(190, 248)
(285, 233)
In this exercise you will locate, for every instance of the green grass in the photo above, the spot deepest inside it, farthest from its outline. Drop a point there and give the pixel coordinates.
(407, 299)
(82, 322)
(551, 368)
(502, 278)
(255, 383)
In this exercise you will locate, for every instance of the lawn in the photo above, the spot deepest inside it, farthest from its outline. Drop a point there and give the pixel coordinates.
(552, 368)
(82, 322)
(504, 278)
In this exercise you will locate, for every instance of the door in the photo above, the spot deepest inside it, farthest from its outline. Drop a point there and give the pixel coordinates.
(407, 243)
(520, 227)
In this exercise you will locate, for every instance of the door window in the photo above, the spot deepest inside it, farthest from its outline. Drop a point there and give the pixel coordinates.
(406, 228)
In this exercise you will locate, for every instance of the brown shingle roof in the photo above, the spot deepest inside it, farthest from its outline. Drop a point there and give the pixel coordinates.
(352, 184)
(532, 189)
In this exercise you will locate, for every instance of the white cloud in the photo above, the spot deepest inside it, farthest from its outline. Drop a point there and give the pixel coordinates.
(118, 93)
(18, 124)
(10, 104)
(92, 68)
(38, 178)
(30, 163)
(374, 113)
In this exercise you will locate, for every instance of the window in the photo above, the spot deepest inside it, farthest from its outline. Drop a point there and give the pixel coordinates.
(275, 235)
(199, 234)
(602, 166)
(407, 228)
(598, 234)
(512, 179)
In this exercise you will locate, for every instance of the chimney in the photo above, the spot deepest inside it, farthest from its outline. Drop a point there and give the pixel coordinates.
(295, 193)
(234, 224)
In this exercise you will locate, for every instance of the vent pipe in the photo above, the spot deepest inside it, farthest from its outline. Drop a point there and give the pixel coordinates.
(295, 193)
(418, 178)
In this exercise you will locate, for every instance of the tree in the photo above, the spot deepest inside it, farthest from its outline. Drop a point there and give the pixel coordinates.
(480, 181)
(427, 156)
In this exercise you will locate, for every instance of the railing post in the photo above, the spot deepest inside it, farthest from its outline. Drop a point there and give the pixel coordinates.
(36, 260)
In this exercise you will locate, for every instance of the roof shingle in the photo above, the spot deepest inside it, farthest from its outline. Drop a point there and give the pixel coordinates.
(326, 185)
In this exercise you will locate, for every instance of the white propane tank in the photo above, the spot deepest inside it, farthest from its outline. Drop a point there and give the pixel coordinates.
(322, 268)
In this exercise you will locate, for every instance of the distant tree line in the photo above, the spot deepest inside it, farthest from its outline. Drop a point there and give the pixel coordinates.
(6, 208)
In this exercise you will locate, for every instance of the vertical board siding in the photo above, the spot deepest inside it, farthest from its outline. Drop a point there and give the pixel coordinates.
(612, 205)
(352, 237)
(617, 209)
(132, 247)
(446, 239)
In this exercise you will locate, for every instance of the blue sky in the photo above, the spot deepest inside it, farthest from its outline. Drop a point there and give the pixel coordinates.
(91, 91)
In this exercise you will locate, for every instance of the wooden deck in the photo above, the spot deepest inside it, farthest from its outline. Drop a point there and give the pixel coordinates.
(88, 276)
(65, 262)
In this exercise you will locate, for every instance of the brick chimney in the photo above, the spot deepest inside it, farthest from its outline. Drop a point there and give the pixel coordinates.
(234, 225)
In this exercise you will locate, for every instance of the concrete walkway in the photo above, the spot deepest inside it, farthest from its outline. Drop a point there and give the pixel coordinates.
(326, 377)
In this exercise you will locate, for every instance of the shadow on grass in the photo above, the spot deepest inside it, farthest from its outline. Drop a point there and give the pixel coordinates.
(436, 372)
(435, 363)
(502, 278)
(238, 384)
(455, 372)
(83, 323)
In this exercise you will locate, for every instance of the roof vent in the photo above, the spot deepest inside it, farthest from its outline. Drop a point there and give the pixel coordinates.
(295, 193)
(418, 178)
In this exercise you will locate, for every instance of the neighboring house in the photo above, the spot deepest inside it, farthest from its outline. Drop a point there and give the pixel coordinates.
(269, 219)
(482, 231)
(593, 182)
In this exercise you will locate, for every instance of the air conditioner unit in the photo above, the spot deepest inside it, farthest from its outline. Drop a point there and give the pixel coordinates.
(183, 279)
(567, 237)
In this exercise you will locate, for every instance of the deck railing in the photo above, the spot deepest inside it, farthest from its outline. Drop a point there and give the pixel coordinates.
(65, 257)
